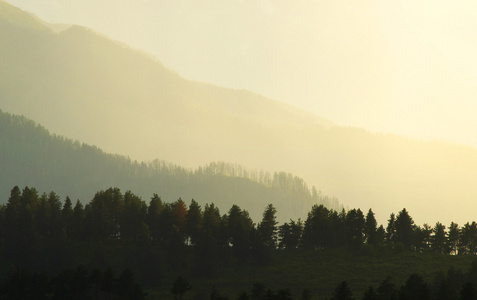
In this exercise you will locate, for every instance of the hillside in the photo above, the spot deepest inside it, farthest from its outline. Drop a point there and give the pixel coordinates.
(31, 156)
(85, 86)
(158, 242)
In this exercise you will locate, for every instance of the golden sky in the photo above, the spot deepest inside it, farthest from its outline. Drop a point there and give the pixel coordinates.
(406, 67)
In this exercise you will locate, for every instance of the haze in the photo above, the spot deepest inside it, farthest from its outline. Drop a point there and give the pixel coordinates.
(403, 66)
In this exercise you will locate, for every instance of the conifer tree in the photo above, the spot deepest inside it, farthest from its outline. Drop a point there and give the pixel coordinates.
(439, 239)
(391, 230)
(193, 221)
(370, 228)
(404, 229)
(267, 229)
(453, 239)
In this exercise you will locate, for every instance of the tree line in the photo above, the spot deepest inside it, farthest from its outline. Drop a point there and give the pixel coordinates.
(28, 217)
(31, 156)
(41, 232)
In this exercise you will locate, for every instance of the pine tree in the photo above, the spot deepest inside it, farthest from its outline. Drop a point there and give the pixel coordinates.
(439, 239)
(404, 229)
(391, 231)
(267, 229)
(453, 239)
(370, 228)
(193, 221)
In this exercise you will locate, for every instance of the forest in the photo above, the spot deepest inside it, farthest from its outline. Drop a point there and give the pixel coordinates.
(31, 156)
(49, 246)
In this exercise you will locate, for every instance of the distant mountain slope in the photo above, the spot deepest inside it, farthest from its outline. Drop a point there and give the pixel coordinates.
(82, 85)
(30, 156)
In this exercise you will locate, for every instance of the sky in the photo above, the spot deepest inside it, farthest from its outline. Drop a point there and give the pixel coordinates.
(405, 67)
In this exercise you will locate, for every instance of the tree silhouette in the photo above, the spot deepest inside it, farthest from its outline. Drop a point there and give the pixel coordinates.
(180, 214)
(133, 218)
(153, 218)
(267, 229)
(354, 224)
(317, 233)
(404, 229)
(290, 234)
(439, 239)
(391, 230)
(370, 228)
(414, 289)
(193, 221)
(468, 239)
(453, 238)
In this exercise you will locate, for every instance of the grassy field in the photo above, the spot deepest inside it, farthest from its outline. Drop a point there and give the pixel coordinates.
(319, 272)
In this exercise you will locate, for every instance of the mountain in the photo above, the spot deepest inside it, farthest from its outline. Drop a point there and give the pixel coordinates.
(31, 156)
(83, 85)
(154, 112)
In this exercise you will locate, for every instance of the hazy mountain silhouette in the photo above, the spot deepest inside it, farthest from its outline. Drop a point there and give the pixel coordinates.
(85, 86)
(31, 156)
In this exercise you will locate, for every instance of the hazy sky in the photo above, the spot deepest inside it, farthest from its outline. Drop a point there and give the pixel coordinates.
(408, 67)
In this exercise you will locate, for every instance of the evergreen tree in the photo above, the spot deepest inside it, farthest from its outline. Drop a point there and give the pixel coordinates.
(415, 289)
(380, 235)
(370, 228)
(453, 239)
(391, 231)
(439, 239)
(317, 233)
(67, 215)
(267, 229)
(193, 221)
(77, 221)
(104, 213)
(55, 224)
(354, 224)
(422, 237)
(180, 214)
(468, 239)
(211, 221)
(133, 218)
(239, 228)
(289, 235)
(404, 229)
(153, 218)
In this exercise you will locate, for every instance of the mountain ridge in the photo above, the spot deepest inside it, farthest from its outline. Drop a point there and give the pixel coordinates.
(83, 86)
(31, 156)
